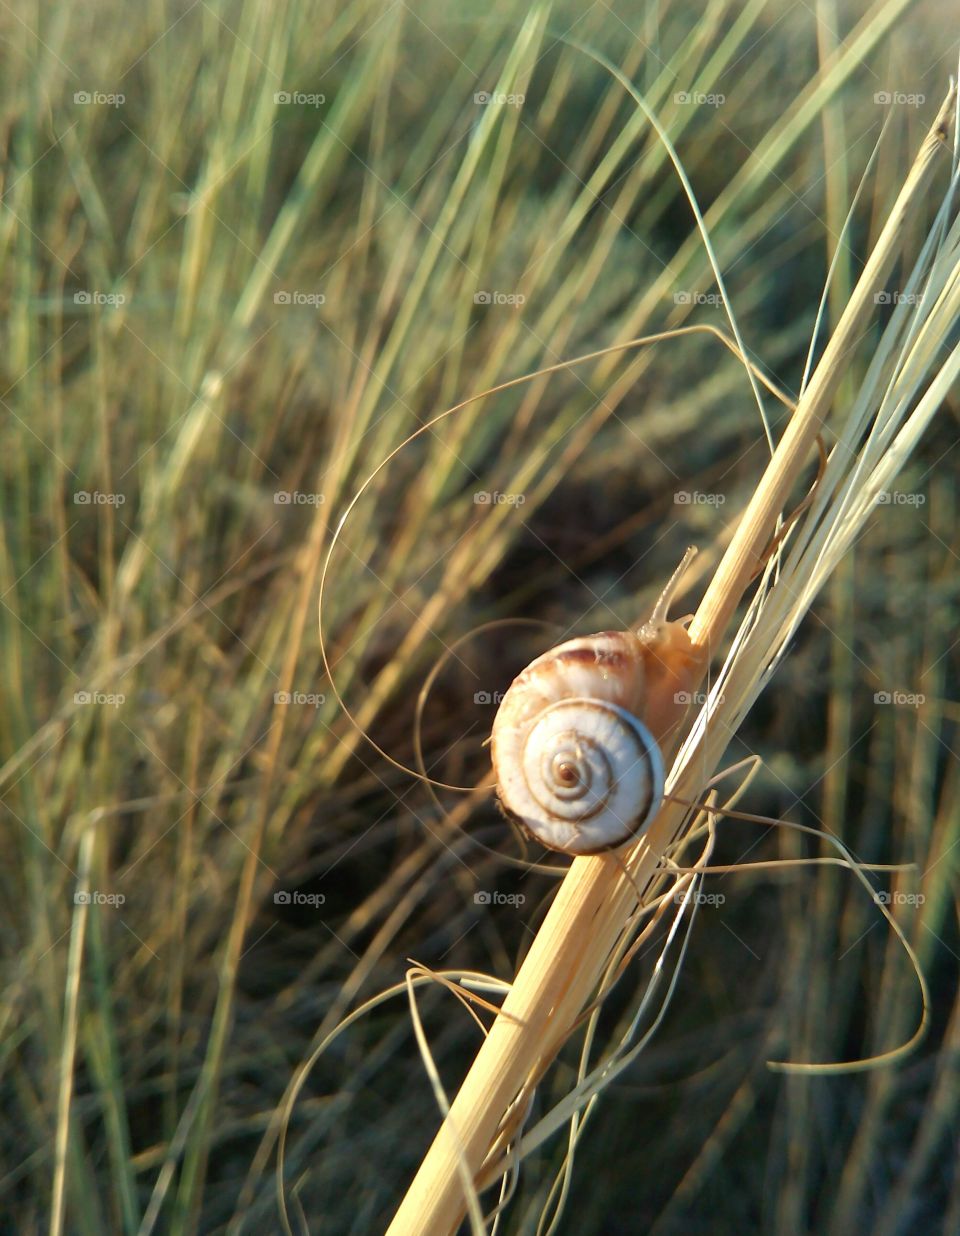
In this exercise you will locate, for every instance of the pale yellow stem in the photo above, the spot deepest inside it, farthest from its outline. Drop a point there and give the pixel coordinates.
(561, 971)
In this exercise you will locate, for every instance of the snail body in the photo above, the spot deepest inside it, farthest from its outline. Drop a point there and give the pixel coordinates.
(576, 743)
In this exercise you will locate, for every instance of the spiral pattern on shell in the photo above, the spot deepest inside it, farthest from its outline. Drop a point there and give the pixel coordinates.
(574, 763)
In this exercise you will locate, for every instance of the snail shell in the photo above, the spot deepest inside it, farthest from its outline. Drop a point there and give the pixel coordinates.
(576, 740)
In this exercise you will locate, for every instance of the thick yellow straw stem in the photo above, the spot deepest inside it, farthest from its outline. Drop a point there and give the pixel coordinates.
(562, 969)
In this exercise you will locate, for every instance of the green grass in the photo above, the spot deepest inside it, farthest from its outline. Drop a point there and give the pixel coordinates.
(147, 1046)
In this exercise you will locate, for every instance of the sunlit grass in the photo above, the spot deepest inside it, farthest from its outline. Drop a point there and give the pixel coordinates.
(168, 733)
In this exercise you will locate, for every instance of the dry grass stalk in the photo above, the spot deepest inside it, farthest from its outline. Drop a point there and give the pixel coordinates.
(560, 974)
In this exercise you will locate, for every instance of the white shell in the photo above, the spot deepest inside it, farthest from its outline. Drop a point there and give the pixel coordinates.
(579, 770)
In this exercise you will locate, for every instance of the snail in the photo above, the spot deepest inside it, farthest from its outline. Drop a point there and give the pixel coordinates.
(576, 742)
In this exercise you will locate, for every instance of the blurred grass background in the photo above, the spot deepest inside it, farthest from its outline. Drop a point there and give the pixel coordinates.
(244, 247)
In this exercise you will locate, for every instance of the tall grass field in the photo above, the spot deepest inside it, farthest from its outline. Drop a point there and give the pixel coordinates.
(354, 354)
